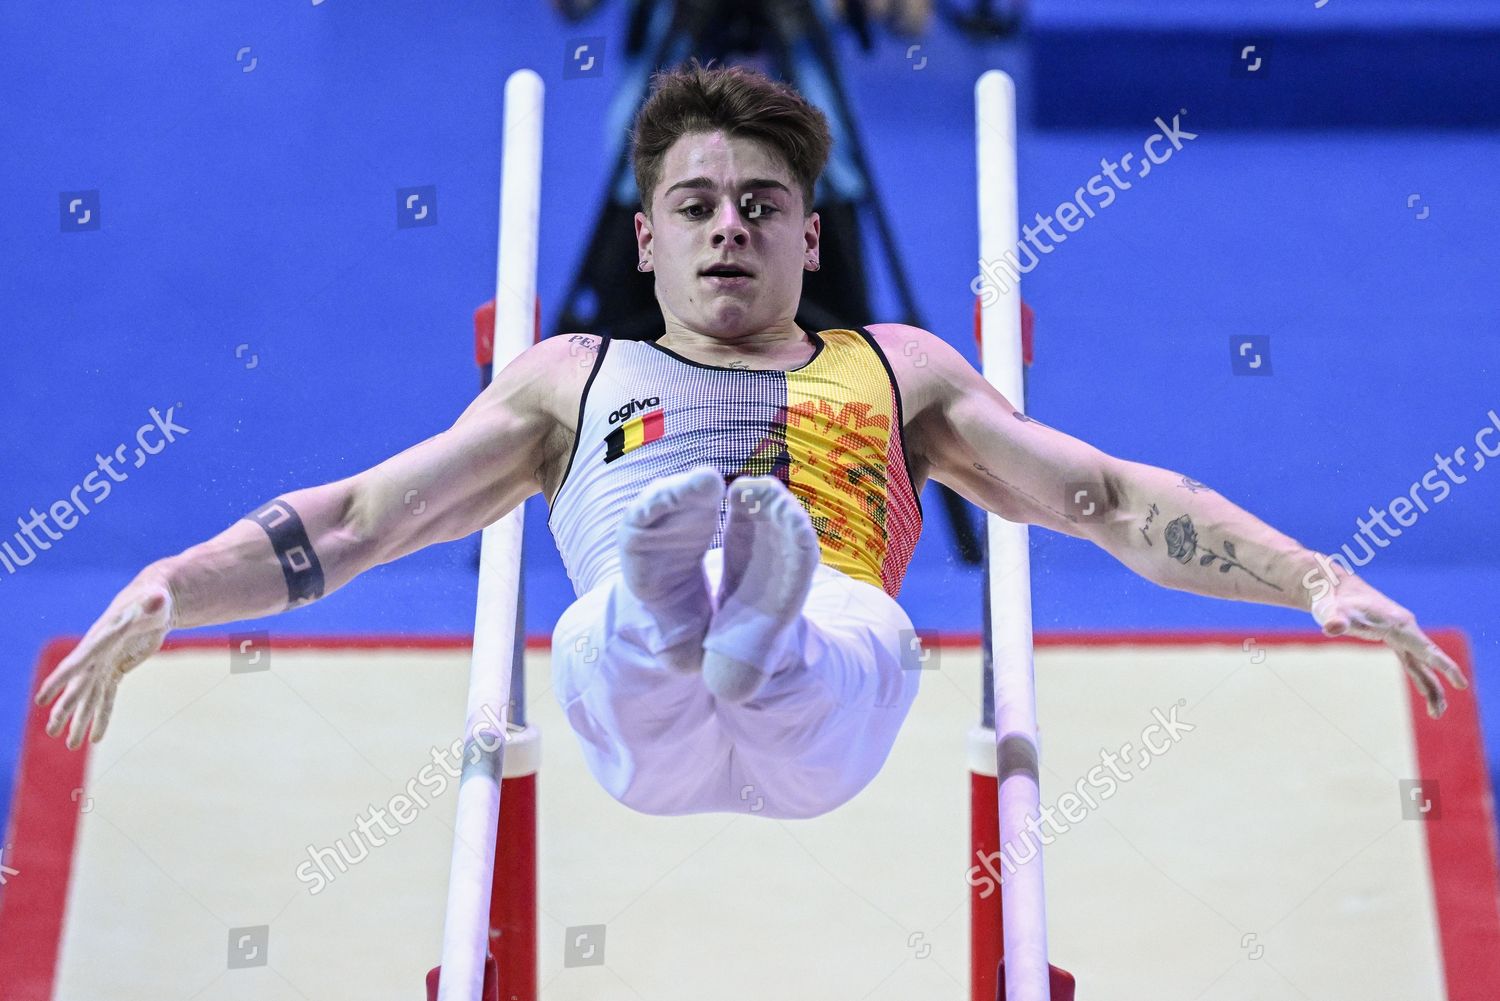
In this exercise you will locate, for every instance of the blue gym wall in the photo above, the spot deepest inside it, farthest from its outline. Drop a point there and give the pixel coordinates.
(249, 271)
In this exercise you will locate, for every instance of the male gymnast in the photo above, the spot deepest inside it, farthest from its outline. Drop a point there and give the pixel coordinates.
(736, 502)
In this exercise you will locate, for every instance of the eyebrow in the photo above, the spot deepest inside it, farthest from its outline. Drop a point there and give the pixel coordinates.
(706, 182)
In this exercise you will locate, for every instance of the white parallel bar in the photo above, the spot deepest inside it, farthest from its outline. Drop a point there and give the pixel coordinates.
(1023, 895)
(466, 923)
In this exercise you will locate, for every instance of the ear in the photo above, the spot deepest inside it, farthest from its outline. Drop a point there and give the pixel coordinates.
(812, 231)
(642, 233)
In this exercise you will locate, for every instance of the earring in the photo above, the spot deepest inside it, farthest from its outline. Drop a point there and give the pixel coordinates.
(813, 265)
(640, 266)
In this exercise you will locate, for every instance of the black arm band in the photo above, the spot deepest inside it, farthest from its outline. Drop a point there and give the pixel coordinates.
(299, 564)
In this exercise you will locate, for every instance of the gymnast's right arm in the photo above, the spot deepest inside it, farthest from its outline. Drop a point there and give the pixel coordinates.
(307, 543)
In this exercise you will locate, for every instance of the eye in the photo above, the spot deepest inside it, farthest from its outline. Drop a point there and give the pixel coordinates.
(688, 209)
(758, 209)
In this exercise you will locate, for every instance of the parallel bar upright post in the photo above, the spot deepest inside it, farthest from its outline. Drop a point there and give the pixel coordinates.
(1023, 899)
(467, 918)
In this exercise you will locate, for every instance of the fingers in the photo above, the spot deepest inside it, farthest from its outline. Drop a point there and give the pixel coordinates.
(102, 714)
(82, 687)
(1421, 658)
(85, 709)
(60, 676)
(1325, 613)
(1427, 683)
(1416, 642)
(84, 716)
(85, 652)
(59, 714)
(1358, 622)
(1450, 669)
(78, 681)
(54, 684)
(1333, 623)
(1426, 655)
(76, 692)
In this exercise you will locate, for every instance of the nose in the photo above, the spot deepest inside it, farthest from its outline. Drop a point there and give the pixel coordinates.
(730, 225)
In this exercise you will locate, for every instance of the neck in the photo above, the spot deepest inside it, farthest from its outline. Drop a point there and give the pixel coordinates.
(769, 342)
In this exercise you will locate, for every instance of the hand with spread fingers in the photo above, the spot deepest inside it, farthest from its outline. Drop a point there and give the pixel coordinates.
(130, 630)
(1354, 608)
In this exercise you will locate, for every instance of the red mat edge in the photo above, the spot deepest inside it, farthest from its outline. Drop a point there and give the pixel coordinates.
(1461, 844)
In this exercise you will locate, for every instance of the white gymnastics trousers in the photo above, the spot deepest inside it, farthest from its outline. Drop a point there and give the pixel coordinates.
(814, 735)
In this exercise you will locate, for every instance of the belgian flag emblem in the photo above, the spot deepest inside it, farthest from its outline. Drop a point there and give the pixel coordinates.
(633, 434)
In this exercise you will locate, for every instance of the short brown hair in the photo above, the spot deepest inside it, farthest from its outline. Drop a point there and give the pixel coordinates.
(743, 102)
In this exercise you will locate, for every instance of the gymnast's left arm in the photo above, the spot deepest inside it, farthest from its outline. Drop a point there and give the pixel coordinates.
(1167, 527)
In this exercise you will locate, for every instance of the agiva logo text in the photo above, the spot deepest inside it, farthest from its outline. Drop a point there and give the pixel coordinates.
(624, 412)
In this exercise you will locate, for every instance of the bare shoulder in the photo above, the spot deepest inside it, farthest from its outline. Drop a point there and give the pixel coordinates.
(928, 371)
(927, 368)
(565, 361)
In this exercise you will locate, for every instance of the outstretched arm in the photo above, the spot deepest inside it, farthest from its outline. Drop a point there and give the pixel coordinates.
(1167, 527)
(307, 543)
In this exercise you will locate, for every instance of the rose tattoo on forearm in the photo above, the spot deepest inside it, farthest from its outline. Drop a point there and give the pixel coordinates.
(1183, 546)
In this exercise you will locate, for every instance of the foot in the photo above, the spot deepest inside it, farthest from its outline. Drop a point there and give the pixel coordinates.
(662, 539)
(770, 554)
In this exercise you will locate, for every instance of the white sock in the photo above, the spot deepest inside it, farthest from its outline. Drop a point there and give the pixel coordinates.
(770, 555)
(662, 539)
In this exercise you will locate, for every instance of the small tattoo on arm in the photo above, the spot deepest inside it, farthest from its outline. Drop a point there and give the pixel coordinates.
(585, 342)
(1182, 546)
(1015, 489)
(294, 551)
(1193, 485)
(1154, 511)
(1030, 420)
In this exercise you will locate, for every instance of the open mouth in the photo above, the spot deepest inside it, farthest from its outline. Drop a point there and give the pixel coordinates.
(727, 272)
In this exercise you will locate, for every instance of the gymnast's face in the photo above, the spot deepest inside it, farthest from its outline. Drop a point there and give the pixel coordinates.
(727, 198)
